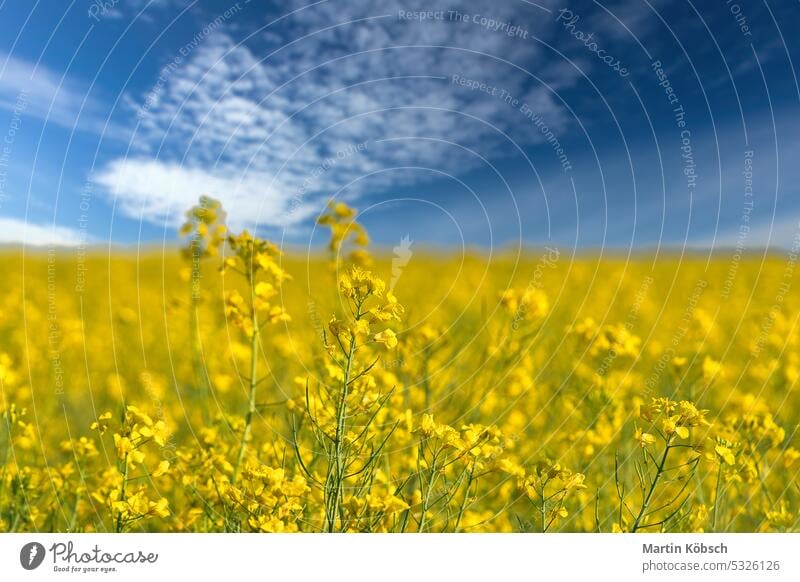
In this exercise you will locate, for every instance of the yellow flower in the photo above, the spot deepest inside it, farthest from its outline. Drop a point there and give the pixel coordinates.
(386, 337)
(790, 457)
(342, 210)
(123, 446)
(161, 508)
(337, 327)
(679, 362)
(361, 328)
(670, 426)
(427, 427)
(725, 454)
(575, 481)
(265, 291)
(101, 424)
(643, 438)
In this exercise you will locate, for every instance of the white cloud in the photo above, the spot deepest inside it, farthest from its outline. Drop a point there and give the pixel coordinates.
(14, 231)
(159, 191)
(255, 123)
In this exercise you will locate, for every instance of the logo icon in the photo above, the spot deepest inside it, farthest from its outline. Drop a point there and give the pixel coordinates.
(31, 555)
(402, 255)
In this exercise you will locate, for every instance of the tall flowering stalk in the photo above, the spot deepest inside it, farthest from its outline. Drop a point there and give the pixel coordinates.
(255, 260)
(342, 413)
(671, 423)
(548, 485)
(204, 234)
(126, 493)
(345, 232)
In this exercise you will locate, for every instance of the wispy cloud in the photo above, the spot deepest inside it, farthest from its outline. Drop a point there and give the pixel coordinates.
(52, 98)
(277, 123)
(14, 231)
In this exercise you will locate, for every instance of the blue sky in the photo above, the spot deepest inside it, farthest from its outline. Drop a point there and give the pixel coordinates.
(485, 123)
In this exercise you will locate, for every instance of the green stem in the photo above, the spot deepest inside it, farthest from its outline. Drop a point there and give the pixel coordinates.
(543, 512)
(251, 401)
(761, 480)
(74, 519)
(336, 485)
(122, 493)
(718, 491)
(6, 455)
(653, 485)
(427, 495)
(201, 382)
(464, 501)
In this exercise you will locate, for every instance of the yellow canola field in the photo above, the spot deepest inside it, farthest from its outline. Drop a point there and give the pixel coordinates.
(224, 386)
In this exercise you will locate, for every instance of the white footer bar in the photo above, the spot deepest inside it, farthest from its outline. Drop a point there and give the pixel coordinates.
(402, 557)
